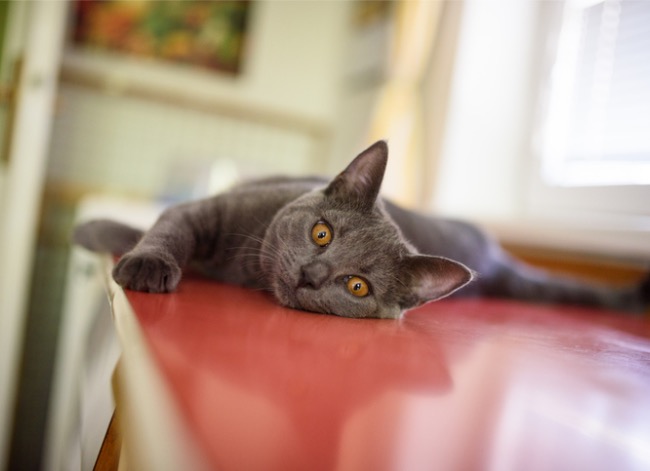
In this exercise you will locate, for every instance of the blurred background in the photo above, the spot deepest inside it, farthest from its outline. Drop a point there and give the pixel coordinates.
(531, 118)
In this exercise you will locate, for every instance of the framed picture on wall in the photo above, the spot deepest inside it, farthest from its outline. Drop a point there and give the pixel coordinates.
(205, 34)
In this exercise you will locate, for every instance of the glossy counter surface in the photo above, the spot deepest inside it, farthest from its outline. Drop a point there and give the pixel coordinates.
(453, 385)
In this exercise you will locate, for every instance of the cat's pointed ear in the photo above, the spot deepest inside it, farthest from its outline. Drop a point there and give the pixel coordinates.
(429, 278)
(360, 182)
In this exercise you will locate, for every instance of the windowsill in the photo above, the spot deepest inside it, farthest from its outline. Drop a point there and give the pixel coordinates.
(630, 245)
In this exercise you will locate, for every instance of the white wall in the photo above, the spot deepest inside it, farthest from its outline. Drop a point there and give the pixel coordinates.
(136, 146)
(485, 150)
(296, 54)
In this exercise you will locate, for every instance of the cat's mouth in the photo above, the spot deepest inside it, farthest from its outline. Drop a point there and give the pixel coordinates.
(285, 294)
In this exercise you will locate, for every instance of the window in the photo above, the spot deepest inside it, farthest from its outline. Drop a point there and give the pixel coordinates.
(598, 121)
(547, 128)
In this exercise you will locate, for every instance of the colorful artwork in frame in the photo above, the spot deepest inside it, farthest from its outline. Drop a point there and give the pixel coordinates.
(210, 34)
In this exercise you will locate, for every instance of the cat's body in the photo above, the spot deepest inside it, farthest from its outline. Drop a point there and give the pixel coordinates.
(333, 247)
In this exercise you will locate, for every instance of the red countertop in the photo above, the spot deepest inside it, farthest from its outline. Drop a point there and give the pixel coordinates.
(456, 384)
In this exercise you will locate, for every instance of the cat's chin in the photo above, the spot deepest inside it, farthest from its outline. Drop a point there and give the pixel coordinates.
(285, 294)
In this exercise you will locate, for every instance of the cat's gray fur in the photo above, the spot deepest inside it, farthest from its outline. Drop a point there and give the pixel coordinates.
(259, 235)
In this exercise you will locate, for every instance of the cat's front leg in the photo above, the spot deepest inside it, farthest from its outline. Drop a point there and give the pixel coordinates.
(148, 270)
(155, 264)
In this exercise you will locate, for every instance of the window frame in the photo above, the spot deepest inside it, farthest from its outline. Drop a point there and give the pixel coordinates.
(614, 212)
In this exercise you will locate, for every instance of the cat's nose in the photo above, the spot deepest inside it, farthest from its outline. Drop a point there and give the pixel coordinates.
(313, 275)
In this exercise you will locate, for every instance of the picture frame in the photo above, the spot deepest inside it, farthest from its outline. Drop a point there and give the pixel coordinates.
(205, 34)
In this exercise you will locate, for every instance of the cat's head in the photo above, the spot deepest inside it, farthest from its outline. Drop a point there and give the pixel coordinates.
(336, 251)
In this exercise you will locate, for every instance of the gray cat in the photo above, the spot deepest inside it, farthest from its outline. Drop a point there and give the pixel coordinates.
(333, 247)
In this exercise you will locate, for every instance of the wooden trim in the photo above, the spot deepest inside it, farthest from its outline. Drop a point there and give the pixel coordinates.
(109, 454)
(590, 267)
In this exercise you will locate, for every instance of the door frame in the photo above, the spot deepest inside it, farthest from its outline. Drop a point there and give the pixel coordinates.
(40, 33)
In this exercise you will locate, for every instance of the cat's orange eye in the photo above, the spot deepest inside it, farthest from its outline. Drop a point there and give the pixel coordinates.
(358, 286)
(321, 234)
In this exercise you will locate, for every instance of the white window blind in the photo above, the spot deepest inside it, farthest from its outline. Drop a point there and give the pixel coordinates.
(598, 121)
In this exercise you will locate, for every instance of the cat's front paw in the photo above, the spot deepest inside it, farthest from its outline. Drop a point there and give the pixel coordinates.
(151, 272)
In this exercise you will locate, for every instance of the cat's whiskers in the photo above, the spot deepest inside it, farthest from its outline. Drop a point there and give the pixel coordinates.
(259, 253)
(262, 247)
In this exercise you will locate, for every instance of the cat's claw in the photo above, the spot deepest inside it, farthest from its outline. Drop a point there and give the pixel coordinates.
(151, 272)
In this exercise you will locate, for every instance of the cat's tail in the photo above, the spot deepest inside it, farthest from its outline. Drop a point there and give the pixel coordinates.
(517, 280)
(107, 236)
(643, 290)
